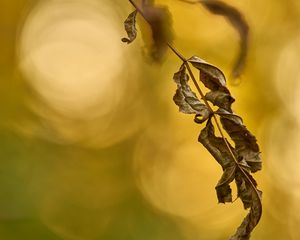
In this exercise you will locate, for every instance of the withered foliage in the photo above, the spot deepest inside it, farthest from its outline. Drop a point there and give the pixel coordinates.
(186, 99)
(237, 20)
(159, 19)
(130, 27)
(160, 22)
(238, 161)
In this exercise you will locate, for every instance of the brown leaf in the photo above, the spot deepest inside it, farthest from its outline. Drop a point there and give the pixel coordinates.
(214, 79)
(217, 148)
(186, 99)
(251, 197)
(246, 185)
(211, 76)
(237, 162)
(245, 190)
(223, 189)
(160, 21)
(220, 99)
(130, 28)
(237, 20)
(245, 142)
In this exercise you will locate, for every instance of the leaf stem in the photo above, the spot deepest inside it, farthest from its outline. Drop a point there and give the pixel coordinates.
(140, 11)
(174, 50)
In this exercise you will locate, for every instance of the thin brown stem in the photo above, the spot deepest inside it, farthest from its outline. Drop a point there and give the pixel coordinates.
(174, 50)
(190, 2)
(197, 86)
(140, 11)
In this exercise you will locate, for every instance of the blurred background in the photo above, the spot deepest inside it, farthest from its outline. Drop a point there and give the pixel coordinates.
(92, 145)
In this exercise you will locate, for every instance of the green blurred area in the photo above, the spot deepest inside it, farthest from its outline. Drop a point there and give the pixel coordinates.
(92, 145)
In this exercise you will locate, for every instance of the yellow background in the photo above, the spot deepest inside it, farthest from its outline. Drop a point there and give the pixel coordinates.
(92, 145)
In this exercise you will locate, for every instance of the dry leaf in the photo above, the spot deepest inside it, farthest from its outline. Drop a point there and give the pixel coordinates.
(250, 198)
(160, 21)
(214, 79)
(246, 185)
(217, 148)
(245, 142)
(236, 162)
(237, 20)
(239, 23)
(186, 99)
(220, 99)
(130, 28)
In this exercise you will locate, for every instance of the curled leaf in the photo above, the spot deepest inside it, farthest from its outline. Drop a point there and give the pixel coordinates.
(220, 99)
(130, 28)
(236, 162)
(186, 99)
(214, 79)
(160, 21)
(223, 189)
(246, 185)
(237, 20)
(211, 76)
(245, 190)
(251, 197)
(245, 142)
(215, 145)
(217, 148)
